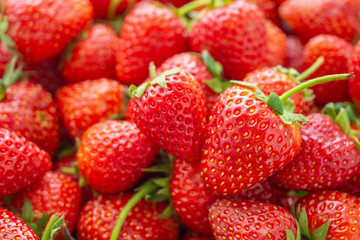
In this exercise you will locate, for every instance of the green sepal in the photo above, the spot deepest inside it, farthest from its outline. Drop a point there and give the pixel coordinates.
(27, 214)
(289, 105)
(275, 103)
(245, 84)
(218, 85)
(291, 118)
(291, 72)
(112, 8)
(343, 121)
(56, 227)
(162, 182)
(341, 114)
(82, 181)
(43, 220)
(260, 95)
(68, 170)
(4, 25)
(166, 168)
(321, 232)
(299, 194)
(290, 235)
(214, 67)
(303, 222)
(169, 211)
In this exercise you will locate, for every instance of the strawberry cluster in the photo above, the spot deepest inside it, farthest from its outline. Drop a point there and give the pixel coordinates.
(179, 119)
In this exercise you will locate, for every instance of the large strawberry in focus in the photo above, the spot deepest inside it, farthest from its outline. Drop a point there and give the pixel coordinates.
(234, 35)
(42, 29)
(93, 57)
(21, 162)
(150, 33)
(98, 217)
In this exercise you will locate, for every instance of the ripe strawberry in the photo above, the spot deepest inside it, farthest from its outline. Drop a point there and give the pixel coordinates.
(98, 217)
(270, 80)
(5, 58)
(12, 227)
(55, 193)
(42, 29)
(86, 103)
(101, 7)
(327, 157)
(112, 155)
(276, 45)
(222, 32)
(94, 56)
(354, 83)
(150, 33)
(232, 219)
(336, 53)
(340, 209)
(309, 18)
(129, 108)
(246, 142)
(29, 110)
(195, 236)
(174, 116)
(294, 52)
(269, 7)
(175, 3)
(190, 198)
(352, 186)
(191, 63)
(21, 162)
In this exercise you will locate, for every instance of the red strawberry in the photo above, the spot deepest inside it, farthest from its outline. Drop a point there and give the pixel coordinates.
(55, 193)
(294, 52)
(150, 33)
(276, 45)
(269, 7)
(336, 53)
(112, 155)
(5, 58)
(129, 108)
(234, 35)
(270, 80)
(86, 103)
(175, 3)
(29, 110)
(42, 29)
(12, 227)
(190, 199)
(98, 218)
(327, 157)
(309, 18)
(246, 142)
(352, 186)
(232, 219)
(191, 63)
(354, 83)
(174, 116)
(101, 7)
(21, 162)
(340, 209)
(93, 57)
(195, 236)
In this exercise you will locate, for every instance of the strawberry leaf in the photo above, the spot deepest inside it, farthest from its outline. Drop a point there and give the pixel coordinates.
(27, 214)
(343, 121)
(275, 103)
(169, 210)
(290, 235)
(303, 222)
(260, 95)
(56, 227)
(289, 105)
(215, 68)
(217, 85)
(321, 232)
(291, 118)
(43, 220)
(245, 84)
(291, 72)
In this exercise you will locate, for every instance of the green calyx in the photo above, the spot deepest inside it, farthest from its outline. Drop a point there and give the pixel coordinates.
(291, 236)
(11, 75)
(4, 38)
(156, 80)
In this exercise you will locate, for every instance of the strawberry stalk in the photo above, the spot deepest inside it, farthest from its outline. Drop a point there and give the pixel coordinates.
(53, 226)
(310, 70)
(185, 9)
(112, 8)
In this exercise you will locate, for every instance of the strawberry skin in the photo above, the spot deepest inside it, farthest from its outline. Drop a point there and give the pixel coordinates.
(101, 7)
(5, 58)
(354, 83)
(341, 209)
(276, 45)
(112, 155)
(175, 117)
(246, 142)
(232, 219)
(12, 227)
(86, 103)
(150, 33)
(53, 193)
(55, 22)
(327, 157)
(21, 162)
(98, 218)
(234, 35)
(309, 18)
(191, 63)
(190, 198)
(94, 56)
(294, 52)
(336, 52)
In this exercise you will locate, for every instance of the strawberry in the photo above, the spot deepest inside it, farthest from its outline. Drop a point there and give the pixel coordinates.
(149, 33)
(337, 212)
(191, 63)
(246, 142)
(222, 32)
(327, 157)
(129, 108)
(270, 80)
(354, 83)
(86, 103)
(171, 110)
(269, 7)
(112, 155)
(190, 198)
(98, 217)
(21, 162)
(195, 236)
(101, 7)
(12, 227)
(336, 53)
(232, 219)
(94, 56)
(276, 45)
(351, 186)
(5, 58)
(309, 18)
(29, 110)
(175, 3)
(294, 52)
(42, 29)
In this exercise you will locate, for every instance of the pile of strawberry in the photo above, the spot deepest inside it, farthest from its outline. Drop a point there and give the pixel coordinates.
(179, 119)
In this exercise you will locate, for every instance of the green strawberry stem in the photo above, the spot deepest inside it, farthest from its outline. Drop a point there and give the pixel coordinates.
(129, 205)
(49, 227)
(152, 70)
(191, 6)
(112, 8)
(310, 70)
(314, 82)
(11, 75)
